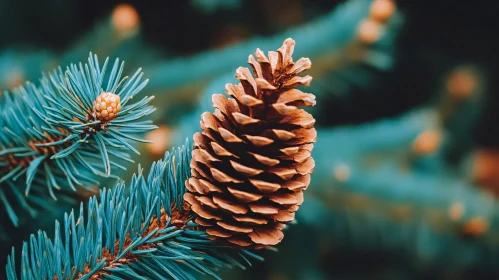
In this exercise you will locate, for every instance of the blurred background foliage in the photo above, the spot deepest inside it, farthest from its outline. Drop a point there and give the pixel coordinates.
(407, 158)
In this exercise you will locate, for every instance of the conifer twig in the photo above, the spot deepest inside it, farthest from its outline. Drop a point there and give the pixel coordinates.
(146, 233)
(57, 135)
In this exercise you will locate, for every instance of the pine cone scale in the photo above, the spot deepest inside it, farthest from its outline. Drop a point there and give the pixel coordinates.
(250, 220)
(264, 186)
(244, 196)
(218, 232)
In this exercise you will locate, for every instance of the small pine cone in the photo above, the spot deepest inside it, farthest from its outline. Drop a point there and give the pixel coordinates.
(252, 161)
(106, 106)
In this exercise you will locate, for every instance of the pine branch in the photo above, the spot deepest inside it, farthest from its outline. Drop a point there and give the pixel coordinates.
(430, 218)
(430, 215)
(331, 32)
(153, 233)
(148, 232)
(75, 124)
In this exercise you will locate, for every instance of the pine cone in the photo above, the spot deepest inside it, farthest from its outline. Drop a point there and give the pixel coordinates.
(252, 161)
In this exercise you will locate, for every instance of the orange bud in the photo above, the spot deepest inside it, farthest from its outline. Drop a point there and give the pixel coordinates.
(475, 226)
(106, 106)
(426, 142)
(456, 211)
(160, 138)
(461, 83)
(125, 18)
(382, 10)
(369, 31)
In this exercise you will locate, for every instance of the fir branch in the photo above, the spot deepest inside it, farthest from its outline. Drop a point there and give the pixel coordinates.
(365, 187)
(56, 134)
(146, 234)
(333, 31)
(431, 218)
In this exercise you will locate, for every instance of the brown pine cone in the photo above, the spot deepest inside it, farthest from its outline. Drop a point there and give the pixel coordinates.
(252, 161)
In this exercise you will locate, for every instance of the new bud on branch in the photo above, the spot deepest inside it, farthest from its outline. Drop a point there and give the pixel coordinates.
(106, 106)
